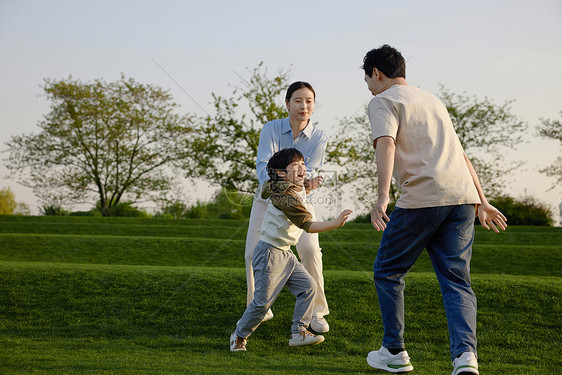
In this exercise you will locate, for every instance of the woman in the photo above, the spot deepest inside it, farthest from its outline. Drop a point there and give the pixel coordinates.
(293, 131)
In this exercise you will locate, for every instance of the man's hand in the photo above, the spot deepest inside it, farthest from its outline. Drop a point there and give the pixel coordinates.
(491, 216)
(378, 213)
(313, 183)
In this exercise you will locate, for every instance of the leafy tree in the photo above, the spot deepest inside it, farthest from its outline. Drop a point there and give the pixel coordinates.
(8, 203)
(552, 129)
(482, 126)
(104, 140)
(224, 145)
(9, 206)
(485, 129)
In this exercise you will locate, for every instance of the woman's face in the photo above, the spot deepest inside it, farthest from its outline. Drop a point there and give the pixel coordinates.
(301, 104)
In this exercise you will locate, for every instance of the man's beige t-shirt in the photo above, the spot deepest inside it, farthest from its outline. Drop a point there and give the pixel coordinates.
(429, 165)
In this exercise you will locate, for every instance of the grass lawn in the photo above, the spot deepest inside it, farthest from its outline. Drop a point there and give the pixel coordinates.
(118, 301)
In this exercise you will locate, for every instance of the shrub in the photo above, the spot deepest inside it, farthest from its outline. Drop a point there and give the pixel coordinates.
(526, 211)
(53, 210)
(227, 204)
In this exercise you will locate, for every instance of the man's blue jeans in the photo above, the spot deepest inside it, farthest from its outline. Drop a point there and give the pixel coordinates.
(447, 233)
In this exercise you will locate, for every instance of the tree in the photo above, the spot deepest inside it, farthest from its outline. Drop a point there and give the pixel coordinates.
(485, 129)
(224, 145)
(104, 140)
(8, 203)
(552, 129)
(9, 206)
(482, 126)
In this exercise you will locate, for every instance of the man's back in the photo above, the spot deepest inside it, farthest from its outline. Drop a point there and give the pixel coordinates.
(429, 163)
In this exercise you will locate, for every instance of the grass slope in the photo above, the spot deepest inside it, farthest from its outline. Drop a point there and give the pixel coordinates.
(152, 296)
(69, 318)
(184, 251)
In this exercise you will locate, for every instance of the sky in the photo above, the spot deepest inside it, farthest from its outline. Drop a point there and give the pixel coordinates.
(503, 50)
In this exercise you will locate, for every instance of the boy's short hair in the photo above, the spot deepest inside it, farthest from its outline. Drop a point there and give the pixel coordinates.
(386, 59)
(280, 160)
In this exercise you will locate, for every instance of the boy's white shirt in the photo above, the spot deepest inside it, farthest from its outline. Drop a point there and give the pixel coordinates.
(277, 229)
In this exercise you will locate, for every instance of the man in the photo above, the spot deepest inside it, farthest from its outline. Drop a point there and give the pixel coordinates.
(414, 139)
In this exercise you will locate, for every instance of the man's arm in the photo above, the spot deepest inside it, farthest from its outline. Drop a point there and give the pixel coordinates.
(384, 153)
(266, 149)
(487, 214)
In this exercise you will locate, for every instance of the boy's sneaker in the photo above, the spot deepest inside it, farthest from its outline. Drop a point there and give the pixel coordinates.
(305, 338)
(237, 344)
(465, 364)
(383, 360)
(268, 316)
(319, 325)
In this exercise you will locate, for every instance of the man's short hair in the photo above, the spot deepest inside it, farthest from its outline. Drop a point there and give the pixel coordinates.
(386, 59)
(280, 160)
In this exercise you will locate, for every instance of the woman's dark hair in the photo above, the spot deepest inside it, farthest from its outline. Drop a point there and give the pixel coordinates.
(280, 160)
(386, 59)
(297, 86)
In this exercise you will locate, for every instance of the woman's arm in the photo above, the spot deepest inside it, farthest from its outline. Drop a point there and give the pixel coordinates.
(266, 149)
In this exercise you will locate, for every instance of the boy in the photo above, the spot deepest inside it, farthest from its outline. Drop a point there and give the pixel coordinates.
(275, 265)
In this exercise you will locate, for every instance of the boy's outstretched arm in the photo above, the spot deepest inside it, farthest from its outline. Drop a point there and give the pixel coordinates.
(324, 226)
(487, 214)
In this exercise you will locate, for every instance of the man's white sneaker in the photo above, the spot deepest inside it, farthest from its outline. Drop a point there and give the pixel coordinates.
(319, 324)
(465, 364)
(305, 338)
(383, 360)
(237, 344)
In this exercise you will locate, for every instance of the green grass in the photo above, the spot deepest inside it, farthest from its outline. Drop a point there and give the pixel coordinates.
(140, 296)
(185, 251)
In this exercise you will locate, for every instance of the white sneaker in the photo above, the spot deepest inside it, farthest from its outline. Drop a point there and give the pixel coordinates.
(237, 344)
(319, 324)
(305, 338)
(268, 316)
(383, 360)
(465, 364)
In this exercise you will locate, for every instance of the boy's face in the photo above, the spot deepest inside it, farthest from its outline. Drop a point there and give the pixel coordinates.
(295, 172)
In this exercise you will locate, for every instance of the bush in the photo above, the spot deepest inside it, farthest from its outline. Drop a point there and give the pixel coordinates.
(226, 205)
(125, 209)
(526, 211)
(173, 210)
(53, 210)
